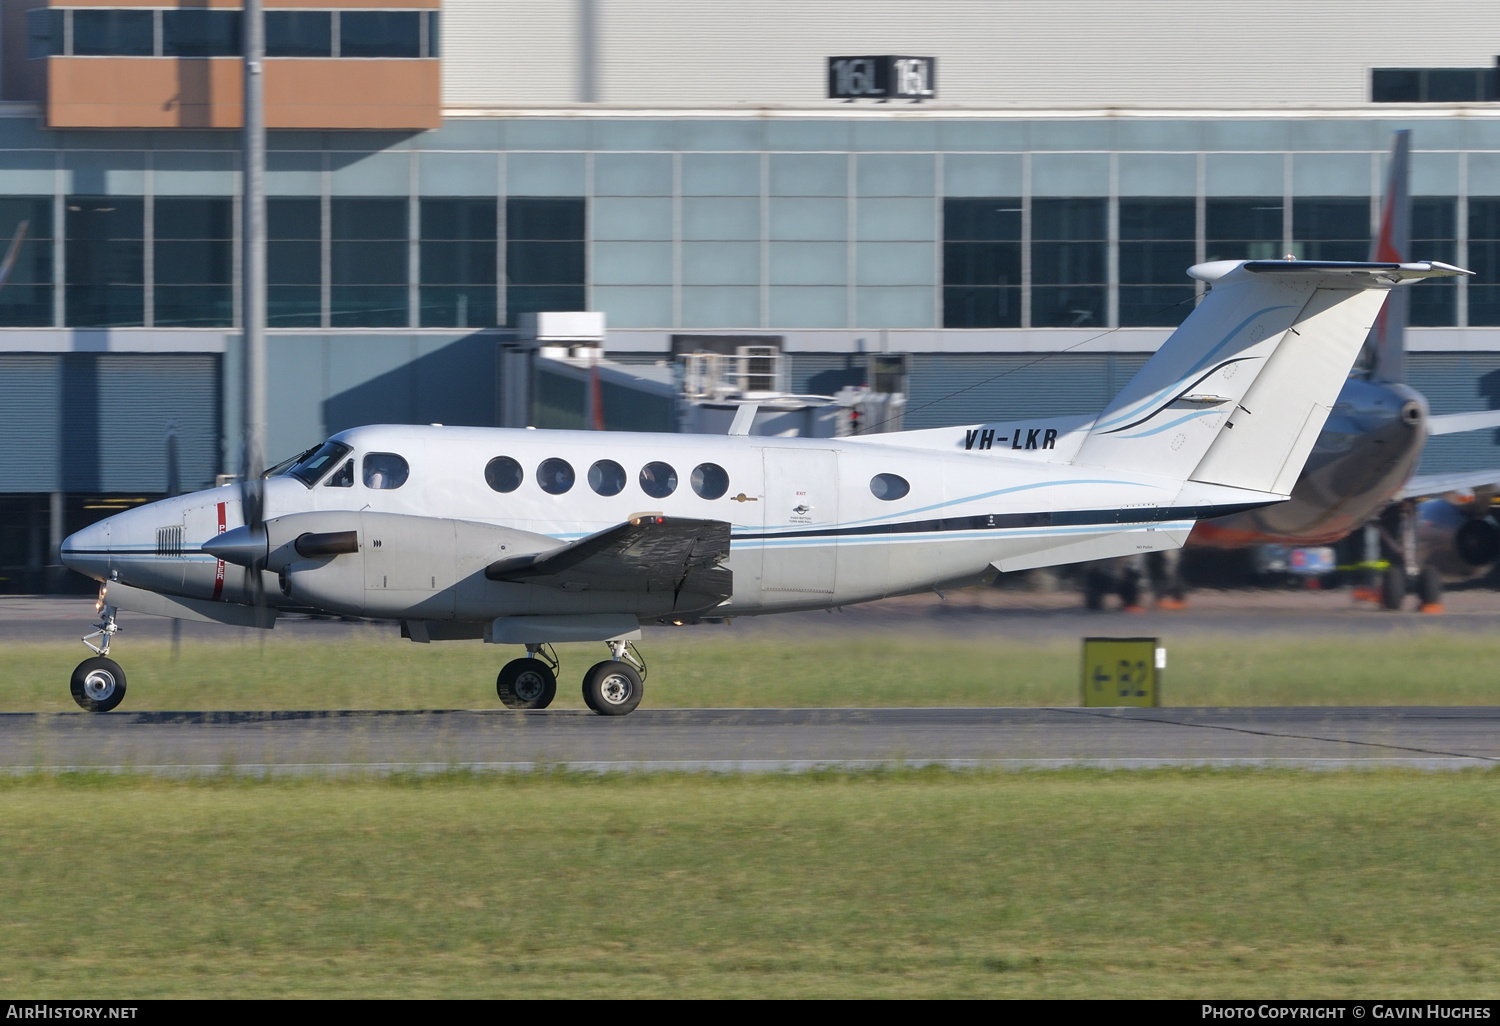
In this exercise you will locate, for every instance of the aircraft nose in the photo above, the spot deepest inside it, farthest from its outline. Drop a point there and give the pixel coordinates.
(87, 551)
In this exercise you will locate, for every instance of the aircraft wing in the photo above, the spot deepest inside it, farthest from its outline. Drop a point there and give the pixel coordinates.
(1436, 484)
(1452, 423)
(646, 553)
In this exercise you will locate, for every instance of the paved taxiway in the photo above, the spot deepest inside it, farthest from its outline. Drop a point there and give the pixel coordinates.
(360, 743)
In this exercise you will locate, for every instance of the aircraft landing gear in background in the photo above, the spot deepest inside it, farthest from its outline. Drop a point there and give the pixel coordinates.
(614, 687)
(98, 683)
(529, 683)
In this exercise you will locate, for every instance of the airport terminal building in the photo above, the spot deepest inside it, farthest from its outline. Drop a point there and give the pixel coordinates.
(1007, 223)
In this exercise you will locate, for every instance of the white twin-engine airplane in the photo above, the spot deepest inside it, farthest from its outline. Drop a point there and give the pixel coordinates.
(524, 537)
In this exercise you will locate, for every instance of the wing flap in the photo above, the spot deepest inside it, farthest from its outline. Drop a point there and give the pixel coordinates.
(647, 553)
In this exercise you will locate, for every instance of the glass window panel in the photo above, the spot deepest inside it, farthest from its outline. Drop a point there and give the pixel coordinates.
(1454, 85)
(294, 262)
(294, 219)
(544, 263)
(1067, 263)
(1433, 219)
(1155, 306)
(459, 219)
(434, 35)
(369, 263)
(379, 34)
(200, 33)
(1157, 246)
(1395, 85)
(294, 306)
(1243, 228)
(193, 306)
(44, 32)
(299, 34)
(457, 306)
(521, 299)
(968, 307)
(1331, 228)
(194, 218)
(1484, 260)
(458, 263)
(193, 262)
(26, 224)
(1072, 306)
(367, 306)
(1156, 263)
(105, 261)
(113, 33)
(369, 219)
(534, 217)
(1068, 219)
(982, 262)
(1157, 218)
(980, 219)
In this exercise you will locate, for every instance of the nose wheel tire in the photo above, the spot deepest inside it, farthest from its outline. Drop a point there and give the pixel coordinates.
(612, 688)
(526, 684)
(98, 684)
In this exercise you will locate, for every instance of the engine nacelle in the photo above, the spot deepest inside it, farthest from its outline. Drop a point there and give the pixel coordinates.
(1457, 543)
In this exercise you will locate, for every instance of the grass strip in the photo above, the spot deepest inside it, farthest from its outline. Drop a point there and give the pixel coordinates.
(910, 884)
(715, 667)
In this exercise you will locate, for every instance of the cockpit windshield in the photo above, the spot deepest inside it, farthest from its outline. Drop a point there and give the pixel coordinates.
(314, 466)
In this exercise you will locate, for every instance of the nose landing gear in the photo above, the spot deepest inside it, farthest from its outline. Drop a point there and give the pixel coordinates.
(98, 683)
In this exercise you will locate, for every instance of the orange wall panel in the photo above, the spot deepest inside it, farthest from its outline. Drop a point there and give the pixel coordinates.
(153, 92)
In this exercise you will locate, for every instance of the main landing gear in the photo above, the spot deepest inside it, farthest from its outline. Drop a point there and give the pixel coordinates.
(610, 688)
(98, 683)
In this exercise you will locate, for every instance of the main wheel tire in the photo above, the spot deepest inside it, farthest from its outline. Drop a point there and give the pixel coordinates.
(1095, 587)
(1393, 587)
(612, 688)
(1430, 587)
(526, 684)
(98, 684)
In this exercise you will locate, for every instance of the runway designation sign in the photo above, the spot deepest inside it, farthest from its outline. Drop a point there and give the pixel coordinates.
(1122, 671)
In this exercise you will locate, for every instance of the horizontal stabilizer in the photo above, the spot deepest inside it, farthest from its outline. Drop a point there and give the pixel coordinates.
(1453, 423)
(1427, 485)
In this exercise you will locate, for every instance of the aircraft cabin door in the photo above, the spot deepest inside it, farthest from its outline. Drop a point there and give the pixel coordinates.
(801, 512)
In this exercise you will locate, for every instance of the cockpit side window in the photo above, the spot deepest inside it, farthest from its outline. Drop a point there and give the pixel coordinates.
(343, 477)
(385, 470)
(319, 462)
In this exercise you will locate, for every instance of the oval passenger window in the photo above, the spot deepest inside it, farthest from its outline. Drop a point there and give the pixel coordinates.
(709, 480)
(887, 487)
(555, 476)
(658, 480)
(385, 470)
(503, 474)
(607, 477)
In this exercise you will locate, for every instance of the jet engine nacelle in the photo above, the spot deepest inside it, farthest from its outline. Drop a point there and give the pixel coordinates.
(1453, 539)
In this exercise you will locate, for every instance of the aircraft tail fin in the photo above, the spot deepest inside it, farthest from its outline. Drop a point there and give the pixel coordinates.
(1386, 345)
(1238, 394)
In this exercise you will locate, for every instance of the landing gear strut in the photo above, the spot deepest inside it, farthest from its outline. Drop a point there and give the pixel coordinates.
(98, 683)
(529, 683)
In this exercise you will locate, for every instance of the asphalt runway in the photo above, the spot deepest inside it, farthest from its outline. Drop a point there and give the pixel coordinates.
(760, 740)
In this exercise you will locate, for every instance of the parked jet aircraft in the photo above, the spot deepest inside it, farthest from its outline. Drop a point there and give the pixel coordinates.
(1363, 459)
(530, 537)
